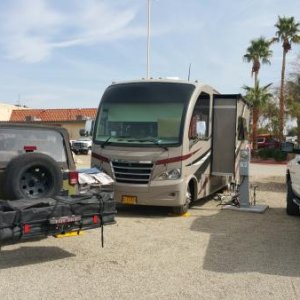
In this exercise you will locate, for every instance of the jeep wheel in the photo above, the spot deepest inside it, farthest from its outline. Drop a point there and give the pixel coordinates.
(32, 175)
(292, 209)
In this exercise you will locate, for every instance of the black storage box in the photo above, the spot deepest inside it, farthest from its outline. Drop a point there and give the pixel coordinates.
(27, 218)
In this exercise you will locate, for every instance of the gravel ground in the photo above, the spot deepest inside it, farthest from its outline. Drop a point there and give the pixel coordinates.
(149, 254)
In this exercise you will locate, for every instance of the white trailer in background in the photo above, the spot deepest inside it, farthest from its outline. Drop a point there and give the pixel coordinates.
(168, 142)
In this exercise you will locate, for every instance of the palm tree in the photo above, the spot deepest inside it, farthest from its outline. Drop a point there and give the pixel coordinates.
(269, 116)
(287, 32)
(293, 100)
(258, 52)
(258, 97)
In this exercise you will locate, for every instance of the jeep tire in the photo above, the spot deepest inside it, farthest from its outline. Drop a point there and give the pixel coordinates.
(32, 175)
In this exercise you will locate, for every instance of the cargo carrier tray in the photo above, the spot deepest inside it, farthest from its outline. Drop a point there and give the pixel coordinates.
(27, 219)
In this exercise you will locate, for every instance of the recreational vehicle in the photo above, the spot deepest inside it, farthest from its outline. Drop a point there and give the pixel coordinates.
(168, 142)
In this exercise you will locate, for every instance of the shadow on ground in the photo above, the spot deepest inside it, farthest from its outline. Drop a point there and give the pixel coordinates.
(269, 186)
(146, 211)
(23, 256)
(247, 242)
(143, 211)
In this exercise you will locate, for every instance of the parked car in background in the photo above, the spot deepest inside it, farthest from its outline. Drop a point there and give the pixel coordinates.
(82, 145)
(267, 141)
(292, 139)
(35, 161)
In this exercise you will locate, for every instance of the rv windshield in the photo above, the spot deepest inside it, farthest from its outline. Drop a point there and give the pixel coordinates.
(145, 113)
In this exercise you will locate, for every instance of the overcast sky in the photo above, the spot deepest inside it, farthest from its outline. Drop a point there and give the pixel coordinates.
(63, 54)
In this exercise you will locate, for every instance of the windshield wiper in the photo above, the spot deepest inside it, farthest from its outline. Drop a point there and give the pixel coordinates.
(154, 141)
(106, 141)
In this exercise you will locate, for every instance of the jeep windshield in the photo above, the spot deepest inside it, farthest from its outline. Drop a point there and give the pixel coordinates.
(142, 114)
(15, 141)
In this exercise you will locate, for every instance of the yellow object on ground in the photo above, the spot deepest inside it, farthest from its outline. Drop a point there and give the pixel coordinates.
(186, 215)
(69, 234)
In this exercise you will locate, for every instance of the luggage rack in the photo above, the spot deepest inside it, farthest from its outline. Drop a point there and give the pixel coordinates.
(27, 219)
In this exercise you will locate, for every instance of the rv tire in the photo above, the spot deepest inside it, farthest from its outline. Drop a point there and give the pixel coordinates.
(182, 209)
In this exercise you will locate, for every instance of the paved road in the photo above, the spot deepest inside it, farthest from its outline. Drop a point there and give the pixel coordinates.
(82, 161)
(267, 170)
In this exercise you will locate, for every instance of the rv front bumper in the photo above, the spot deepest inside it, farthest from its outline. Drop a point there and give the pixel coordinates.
(159, 193)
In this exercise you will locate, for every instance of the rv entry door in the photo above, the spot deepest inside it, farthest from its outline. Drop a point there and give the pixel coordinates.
(224, 134)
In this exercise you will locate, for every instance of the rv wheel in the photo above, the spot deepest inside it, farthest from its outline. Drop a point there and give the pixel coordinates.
(180, 210)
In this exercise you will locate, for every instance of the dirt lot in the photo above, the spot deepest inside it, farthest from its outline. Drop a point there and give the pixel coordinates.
(212, 254)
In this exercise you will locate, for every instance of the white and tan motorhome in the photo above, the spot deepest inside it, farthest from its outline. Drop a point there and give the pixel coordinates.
(168, 142)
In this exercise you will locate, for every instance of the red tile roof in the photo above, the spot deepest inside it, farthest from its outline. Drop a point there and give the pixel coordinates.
(52, 115)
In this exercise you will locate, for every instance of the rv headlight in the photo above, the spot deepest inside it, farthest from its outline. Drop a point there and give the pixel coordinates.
(170, 175)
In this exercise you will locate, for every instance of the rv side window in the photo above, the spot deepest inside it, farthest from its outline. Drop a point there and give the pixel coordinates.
(199, 125)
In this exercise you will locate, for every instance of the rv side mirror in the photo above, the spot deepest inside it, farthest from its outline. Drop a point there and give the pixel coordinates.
(82, 132)
(89, 126)
(201, 129)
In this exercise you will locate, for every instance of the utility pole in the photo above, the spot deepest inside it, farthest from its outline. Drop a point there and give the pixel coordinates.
(148, 39)
(189, 74)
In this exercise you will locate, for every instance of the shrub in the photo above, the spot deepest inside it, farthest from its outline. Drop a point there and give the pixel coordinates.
(279, 155)
(276, 154)
(265, 153)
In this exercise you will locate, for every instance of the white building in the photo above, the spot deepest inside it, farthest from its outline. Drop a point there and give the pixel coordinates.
(6, 110)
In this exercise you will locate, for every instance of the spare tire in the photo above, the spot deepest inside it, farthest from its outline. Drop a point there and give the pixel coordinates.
(32, 175)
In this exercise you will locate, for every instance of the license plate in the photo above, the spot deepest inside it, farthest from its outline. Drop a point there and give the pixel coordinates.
(64, 220)
(129, 199)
